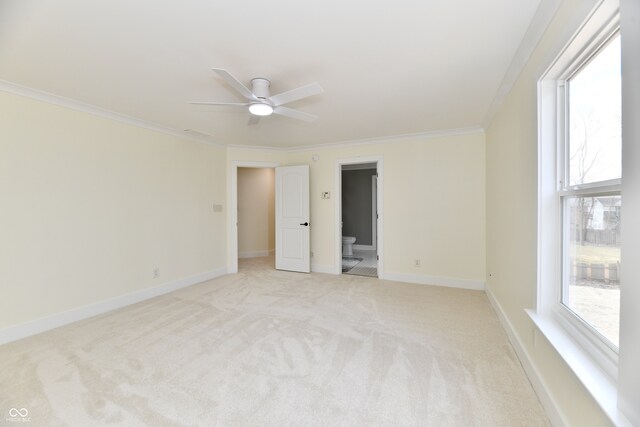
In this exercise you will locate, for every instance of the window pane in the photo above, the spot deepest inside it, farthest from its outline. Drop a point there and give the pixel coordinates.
(595, 118)
(591, 287)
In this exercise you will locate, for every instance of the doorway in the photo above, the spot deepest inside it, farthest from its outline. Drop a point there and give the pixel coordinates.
(256, 213)
(250, 225)
(358, 217)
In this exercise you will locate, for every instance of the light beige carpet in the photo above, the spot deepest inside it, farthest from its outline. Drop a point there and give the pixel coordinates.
(270, 348)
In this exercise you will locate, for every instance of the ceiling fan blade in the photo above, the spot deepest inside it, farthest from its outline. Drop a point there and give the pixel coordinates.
(295, 114)
(295, 94)
(253, 120)
(232, 104)
(235, 83)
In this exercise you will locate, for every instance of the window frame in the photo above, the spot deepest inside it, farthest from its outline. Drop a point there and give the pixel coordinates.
(554, 188)
(592, 189)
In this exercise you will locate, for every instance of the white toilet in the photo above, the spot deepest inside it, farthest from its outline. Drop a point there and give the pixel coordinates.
(347, 245)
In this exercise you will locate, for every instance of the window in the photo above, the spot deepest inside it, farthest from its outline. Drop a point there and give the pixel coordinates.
(588, 202)
(580, 202)
(589, 190)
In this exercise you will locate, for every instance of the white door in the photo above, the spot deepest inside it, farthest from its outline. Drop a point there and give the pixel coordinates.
(292, 219)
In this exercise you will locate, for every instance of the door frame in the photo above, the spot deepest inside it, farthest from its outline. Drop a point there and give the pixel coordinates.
(232, 211)
(374, 222)
(337, 191)
(374, 212)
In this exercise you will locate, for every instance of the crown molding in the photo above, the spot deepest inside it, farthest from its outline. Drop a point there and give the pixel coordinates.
(393, 138)
(257, 148)
(539, 24)
(198, 136)
(368, 141)
(61, 101)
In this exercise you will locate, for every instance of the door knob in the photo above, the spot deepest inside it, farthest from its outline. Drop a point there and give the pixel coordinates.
(305, 224)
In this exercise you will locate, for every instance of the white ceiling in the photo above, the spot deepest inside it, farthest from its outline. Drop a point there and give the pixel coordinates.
(387, 68)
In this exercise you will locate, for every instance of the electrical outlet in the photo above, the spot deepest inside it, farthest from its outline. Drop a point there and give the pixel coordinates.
(416, 263)
(156, 273)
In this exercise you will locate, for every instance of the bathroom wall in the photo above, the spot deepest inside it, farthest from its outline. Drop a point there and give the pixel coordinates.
(357, 205)
(256, 212)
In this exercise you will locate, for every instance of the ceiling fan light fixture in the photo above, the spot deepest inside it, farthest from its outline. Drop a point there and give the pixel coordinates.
(261, 103)
(260, 109)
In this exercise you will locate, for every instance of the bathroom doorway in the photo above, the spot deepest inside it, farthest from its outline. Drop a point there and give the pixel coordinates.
(359, 216)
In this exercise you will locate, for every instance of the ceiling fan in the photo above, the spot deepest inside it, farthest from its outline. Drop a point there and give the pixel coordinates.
(260, 103)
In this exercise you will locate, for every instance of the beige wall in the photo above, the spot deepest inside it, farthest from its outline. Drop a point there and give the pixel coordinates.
(430, 187)
(433, 204)
(512, 222)
(256, 211)
(235, 154)
(91, 206)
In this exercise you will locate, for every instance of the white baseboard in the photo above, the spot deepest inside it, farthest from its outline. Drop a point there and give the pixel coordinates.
(364, 247)
(33, 327)
(316, 268)
(540, 387)
(255, 254)
(476, 285)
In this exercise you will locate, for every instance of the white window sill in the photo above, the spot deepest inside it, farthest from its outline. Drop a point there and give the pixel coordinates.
(601, 387)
